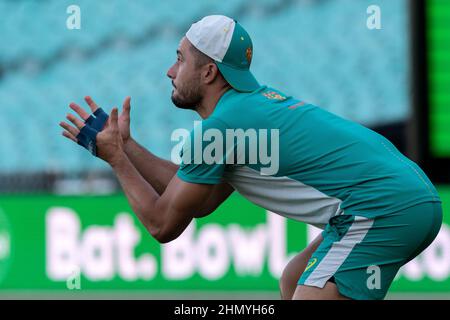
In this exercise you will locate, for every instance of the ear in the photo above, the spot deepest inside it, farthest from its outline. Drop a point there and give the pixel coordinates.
(209, 73)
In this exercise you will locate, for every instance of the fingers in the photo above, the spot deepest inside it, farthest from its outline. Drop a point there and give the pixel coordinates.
(126, 106)
(91, 103)
(73, 131)
(114, 119)
(69, 132)
(80, 111)
(69, 136)
(77, 122)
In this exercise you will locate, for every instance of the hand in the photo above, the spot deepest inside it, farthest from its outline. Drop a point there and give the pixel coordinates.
(124, 118)
(110, 141)
(124, 121)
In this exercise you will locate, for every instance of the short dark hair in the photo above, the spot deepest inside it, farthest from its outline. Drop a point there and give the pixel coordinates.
(200, 59)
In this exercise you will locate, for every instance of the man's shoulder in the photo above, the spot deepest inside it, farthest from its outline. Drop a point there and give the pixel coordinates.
(246, 106)
(263, 94)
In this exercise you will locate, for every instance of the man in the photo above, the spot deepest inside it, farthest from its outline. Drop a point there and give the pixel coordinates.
(377, 208)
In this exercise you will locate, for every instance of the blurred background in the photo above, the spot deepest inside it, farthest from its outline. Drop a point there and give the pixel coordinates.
(66, 230)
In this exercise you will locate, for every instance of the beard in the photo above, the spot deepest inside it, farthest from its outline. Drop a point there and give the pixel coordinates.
(187, 96)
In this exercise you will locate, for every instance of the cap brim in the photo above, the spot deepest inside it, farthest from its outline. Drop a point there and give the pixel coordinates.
(239, 79)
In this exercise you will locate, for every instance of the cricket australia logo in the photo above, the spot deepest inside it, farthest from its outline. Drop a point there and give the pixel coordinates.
(249, 54)
(273, 95)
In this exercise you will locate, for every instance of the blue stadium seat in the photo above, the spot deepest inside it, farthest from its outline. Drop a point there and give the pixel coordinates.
(319, 51)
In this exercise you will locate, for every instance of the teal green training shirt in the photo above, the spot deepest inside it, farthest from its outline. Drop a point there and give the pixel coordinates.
(328, 166)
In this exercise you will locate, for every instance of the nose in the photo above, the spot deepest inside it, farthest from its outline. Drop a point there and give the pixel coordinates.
(171, 72)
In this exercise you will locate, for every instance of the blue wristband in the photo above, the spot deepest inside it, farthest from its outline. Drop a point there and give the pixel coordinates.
(88, 139)
(97, 120)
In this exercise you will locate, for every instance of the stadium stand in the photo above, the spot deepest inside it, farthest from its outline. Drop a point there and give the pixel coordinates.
(316, 50)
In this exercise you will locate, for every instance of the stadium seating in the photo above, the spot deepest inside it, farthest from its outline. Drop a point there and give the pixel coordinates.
(320, 51)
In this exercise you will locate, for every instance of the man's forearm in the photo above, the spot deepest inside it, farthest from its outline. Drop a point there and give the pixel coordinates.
(156, 171)
(159, 172)
(141, 195)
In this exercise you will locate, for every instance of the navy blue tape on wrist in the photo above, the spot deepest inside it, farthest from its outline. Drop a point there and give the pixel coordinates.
(100, 119)
(88, 139)
(97, 120)
(90, 120)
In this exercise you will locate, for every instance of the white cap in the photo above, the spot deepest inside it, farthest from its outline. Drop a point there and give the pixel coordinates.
(212, 35)
(226, 42)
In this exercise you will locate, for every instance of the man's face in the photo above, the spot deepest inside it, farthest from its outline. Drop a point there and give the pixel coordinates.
(186, 93)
